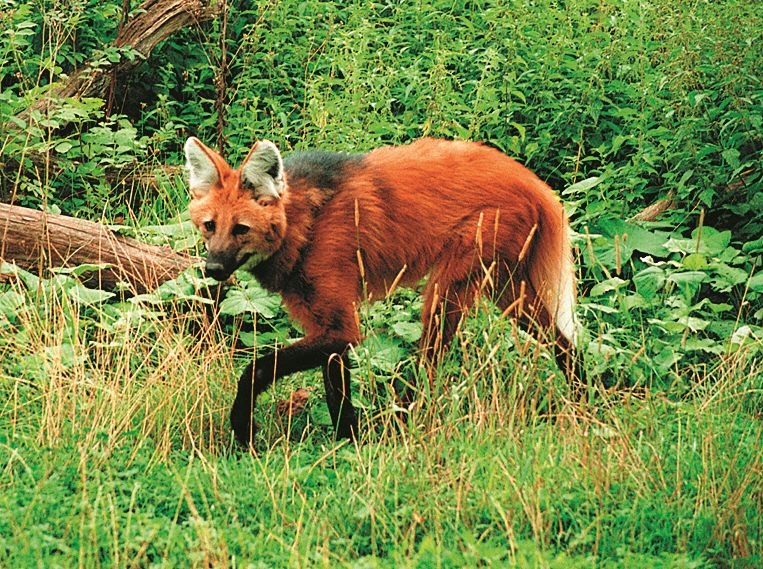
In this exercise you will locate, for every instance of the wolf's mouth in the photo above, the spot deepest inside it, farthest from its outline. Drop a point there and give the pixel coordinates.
(221, 267)
(250, 261)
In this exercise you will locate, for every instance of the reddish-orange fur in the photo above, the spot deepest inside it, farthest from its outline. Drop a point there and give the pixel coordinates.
(465, 214)
(423, 215)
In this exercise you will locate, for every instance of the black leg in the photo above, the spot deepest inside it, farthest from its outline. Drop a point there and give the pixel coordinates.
(255, 379)
(336, 380)
(303, 355)
(570, 361)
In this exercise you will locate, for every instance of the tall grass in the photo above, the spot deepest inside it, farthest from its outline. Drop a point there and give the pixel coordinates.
(114, 443)
(116, 452)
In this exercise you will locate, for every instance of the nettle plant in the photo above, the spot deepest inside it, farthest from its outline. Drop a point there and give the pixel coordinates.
(665, 301)
(57, 324)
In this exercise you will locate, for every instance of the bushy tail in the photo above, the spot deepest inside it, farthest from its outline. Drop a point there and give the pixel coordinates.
(552, 273)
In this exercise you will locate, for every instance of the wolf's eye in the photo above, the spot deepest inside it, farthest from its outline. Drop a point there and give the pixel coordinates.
(209, 226)
(240, 229)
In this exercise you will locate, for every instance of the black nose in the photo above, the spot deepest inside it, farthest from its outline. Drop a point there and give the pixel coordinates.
(216, 270)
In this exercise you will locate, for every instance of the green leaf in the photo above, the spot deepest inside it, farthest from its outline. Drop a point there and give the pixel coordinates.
(385, 352)
(608, 285)
(667, 358)
(87, 296)
(180, 229)
(81, 269)
(756, 282)
(408, 331)
(649, 281)
(714, 307)
(695, 324)
(31, 281)
(688, 277)
(600, 308)
(635, 301)
(633, 237)
(581, 186)
(706, 345)
(250, 300)
(63, 147)
(695, 262)
(65, 354)
(731, 156)
(745, 334)
(10, 302)
(726, 277)
(755, 246)
(711, 242)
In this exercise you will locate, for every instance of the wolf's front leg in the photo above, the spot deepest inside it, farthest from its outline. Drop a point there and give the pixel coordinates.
(306, 354)
(255, 379)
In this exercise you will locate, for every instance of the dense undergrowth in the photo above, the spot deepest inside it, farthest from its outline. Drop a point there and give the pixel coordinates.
(114, 444)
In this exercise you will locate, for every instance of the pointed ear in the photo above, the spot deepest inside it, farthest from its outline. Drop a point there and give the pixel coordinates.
(262, 171)
(202, 171)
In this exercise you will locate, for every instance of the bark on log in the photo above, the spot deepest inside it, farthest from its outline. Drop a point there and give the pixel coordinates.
(154, 21)
(653, 211)
(36, 241)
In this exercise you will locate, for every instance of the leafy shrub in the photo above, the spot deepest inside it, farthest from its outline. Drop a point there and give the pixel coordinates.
(615, 105)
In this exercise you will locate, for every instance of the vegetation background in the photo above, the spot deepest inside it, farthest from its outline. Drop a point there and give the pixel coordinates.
(114, 445)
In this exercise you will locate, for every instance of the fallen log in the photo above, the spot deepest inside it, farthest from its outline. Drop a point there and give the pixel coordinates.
(37, 241)
(653, 211)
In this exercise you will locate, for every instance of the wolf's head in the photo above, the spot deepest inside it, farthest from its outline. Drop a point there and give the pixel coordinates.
(240, 213)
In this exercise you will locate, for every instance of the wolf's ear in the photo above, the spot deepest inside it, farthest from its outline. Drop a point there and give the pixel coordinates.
(262, 171)
(202, 170)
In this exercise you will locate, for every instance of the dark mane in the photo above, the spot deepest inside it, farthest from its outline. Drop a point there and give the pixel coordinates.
(319, 168)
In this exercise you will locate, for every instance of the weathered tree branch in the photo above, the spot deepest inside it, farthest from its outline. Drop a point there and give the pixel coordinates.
(151, 23)
(653, 211)
(35, 241)
(154, 21)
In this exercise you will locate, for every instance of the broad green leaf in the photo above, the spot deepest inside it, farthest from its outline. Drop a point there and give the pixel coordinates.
(744, 334)
(63, 147)
(695, 324)
(726, 277)
(82, 269)
(716, 308)
(756, 282)
(707, 345)
(695, 262)
(709, 241)
(755, 246)
(731, 156)
(608, 285)
(31, 281)
(408, 331)
(87, 296)
(635, 301)
(581, 186)
(10, 302)
(611, 254)
(666, 359)
(649, 281)
(65, 355)
(713, 241)
(633, 237)
(688, 277)
(250, 300)
(180, 229)
(600, 308)
(385, 351)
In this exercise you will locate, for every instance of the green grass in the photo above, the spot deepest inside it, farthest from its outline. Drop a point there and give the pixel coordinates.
(114, 442)
(120, 456)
